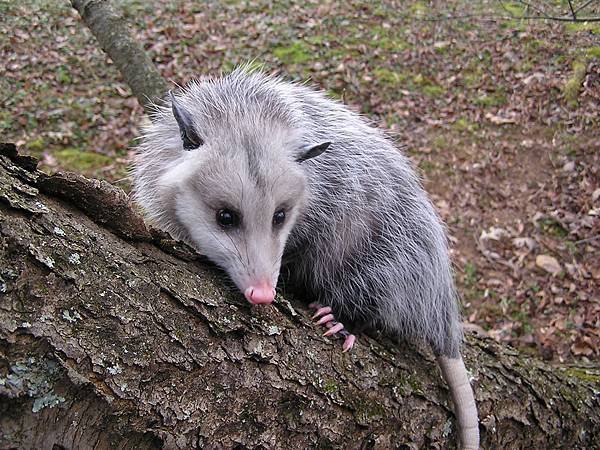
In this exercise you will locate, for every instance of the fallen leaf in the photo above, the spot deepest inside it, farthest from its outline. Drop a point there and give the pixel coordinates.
(494, 233)
(548, 263)
(498, 120)
(582, 348)
(524, 242)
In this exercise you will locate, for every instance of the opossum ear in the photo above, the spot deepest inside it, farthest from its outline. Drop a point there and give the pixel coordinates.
(190, 138)
(313, 151)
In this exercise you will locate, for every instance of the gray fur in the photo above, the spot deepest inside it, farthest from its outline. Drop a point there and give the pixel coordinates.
(361, 233)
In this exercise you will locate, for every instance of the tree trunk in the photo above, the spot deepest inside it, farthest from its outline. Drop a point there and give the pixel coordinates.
(114, 336)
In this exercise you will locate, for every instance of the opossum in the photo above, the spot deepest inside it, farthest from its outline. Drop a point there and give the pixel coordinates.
(251, 170)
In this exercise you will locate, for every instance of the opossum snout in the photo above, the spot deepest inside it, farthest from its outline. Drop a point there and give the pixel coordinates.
(260, 293)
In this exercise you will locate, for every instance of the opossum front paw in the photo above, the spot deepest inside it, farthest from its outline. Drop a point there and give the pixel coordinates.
(327, 319)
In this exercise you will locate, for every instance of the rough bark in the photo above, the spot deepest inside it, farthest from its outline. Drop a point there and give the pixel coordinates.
(113, 336)
(132, 62)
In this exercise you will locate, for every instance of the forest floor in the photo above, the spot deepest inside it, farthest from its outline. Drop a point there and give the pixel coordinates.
(500, 115)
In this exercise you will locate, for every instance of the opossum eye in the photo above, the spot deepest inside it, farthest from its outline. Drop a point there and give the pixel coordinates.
(279, 217)
(227, 218)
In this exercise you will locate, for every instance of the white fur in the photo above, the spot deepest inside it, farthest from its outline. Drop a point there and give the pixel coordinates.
(361, 234)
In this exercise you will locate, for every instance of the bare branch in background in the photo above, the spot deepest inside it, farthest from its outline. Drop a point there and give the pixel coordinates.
(542, 13)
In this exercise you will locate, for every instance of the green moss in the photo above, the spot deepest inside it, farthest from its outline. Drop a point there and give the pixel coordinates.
(418, 9)
(553, 227)
(330, 386)
(475, 70)
(426, 166)
(583, 374)
(509, 25)
(442, 48)
(36, 146)
(63, 76)
(573, 85)
(470, 274)
(516, 9)
(535, 288)
(571, 247)
(522, 318)
(560, 60)
(463, 124)
(433, 90)
(593, 27)
(334, 94)
(418, 79)
(297, 53)
(408, 384)
(525, 65)
(489, 100)
(391, 44)
(593, 52)
(388, 77)
(535, 44)
(569, 150)
(440, 142)
(317, 39)
(6, 120)
(425, 85)
(80, 161)
(366, 411)
(472, 79)
(385, 39)
(381, 11)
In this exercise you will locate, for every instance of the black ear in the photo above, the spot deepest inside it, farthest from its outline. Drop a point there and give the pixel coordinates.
(190, 138)
(313, 151)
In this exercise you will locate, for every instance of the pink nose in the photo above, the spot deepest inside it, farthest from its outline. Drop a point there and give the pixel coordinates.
(261, 293)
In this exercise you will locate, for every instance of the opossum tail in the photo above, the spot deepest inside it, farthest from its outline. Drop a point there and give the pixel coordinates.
(455, 374)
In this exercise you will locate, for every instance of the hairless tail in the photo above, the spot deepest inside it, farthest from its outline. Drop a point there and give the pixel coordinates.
(455, 374)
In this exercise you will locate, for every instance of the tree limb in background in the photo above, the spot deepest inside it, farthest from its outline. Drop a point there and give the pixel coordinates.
(133, 63)
(542, 14)
(570, 16)
(112, 336)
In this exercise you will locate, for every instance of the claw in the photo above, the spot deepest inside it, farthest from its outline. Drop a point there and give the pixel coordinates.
(321, 311)
(325, 319)
(348, 343)
(334, 329)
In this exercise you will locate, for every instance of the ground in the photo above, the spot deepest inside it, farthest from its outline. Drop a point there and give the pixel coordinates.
(499, 114)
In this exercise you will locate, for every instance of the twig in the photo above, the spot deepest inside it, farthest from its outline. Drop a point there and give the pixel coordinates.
(544, 15)
(584, 5)
(534, 8)
(496, 18)
(572, 11)
(590, 239)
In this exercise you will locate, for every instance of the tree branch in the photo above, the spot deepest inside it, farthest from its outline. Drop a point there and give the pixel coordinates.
(116, 343)
(112, 33)
(572, 11)
(546, 16)
(586, 4)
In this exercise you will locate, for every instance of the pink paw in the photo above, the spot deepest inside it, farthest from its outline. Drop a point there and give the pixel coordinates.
(327, 319)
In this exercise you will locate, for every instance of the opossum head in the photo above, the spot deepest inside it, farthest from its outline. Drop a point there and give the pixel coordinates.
(235, 191)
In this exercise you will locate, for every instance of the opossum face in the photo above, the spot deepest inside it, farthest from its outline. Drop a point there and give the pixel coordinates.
(236, 195)
(239, 214)
(233, 186)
